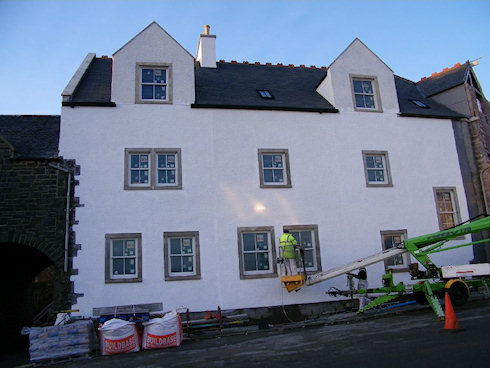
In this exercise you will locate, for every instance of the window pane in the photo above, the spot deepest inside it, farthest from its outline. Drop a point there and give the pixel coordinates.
(267, 160)
(160, 92)
(147, 92)
(268, 176)
(262, 261)
(129, 249)
(129, 266)
(277, 161)
(306, 241)
(370, 162)
(118, 266)
(135, 161)
(359, 101)
(162, 161)
(357, 86)
(175, 264)
(187, 264)
(308, 258)
(367, 87)
(378, 162)
(135, 177)
(147, 75)
(444, 201)
(143, 161)
(171, 161)
(175, 246)
(379, 175)
(248, 242)
(278, 176)
(160, 76)
(262, 241)
(369, 102)
(162, 176)
(447, 220)
(187, 246)
(143, 176)
(171, 176)
(117, 248)
(249, 262)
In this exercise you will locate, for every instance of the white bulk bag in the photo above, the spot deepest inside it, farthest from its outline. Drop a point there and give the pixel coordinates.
(163, 332)
(118, 336)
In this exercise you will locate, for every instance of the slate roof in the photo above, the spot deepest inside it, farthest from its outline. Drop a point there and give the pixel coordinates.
(235, 85)
(445, 80)
(32, 136)
(94, 88)
(408, 91)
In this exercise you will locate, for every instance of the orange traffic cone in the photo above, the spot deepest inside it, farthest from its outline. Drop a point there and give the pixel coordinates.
(451, 321)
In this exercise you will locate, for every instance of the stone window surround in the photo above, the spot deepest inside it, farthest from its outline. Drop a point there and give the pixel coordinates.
(152, 152)
(273, 265)
(386, 169)
(377, 96)
(454, 197)
(142, 65)
(316, 239)
(406, 257)
(116, 236)
(287, 171)
(166, 254)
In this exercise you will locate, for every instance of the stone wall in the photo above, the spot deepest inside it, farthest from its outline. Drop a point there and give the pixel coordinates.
(33, 198)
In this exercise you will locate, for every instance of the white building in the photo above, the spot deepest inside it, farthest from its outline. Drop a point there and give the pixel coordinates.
(192, 168)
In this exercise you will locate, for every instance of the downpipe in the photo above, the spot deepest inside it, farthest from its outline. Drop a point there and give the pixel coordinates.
(67, 213)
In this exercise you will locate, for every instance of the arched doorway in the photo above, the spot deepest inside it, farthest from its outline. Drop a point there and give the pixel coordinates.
(26, 284)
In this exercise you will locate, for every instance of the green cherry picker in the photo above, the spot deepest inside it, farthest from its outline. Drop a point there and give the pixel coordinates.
(458, 280)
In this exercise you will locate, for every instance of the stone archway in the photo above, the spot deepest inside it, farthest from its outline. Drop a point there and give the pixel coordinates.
(27, 283)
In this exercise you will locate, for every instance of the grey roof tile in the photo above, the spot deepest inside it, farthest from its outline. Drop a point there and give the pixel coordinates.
(236, 85)
(408, 91)
(445, 80)
(32, 136)
(95, 86)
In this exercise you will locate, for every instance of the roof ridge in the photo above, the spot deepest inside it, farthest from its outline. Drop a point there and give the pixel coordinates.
(301, 66)
(443, 71)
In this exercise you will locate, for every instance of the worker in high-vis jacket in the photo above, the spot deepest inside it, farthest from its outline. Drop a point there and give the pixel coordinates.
(288, 249)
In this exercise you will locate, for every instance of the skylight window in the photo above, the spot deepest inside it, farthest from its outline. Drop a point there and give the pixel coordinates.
(419, 104)
(265, 93)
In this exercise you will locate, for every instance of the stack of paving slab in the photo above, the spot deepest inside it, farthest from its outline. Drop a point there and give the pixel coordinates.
(57, 342)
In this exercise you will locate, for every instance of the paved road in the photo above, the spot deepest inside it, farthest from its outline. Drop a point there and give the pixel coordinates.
(402, 339)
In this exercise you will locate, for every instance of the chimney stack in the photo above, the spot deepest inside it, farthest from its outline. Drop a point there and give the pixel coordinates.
(206, 49)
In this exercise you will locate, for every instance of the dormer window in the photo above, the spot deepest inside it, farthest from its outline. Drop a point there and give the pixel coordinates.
(153, 84)
(365, 93)
(265, 93)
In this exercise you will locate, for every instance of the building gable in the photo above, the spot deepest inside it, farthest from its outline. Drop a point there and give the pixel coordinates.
(358, 62)
(153, 47)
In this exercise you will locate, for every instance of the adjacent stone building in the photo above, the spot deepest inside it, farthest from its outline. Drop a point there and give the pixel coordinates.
(36, 191)
(459, 89)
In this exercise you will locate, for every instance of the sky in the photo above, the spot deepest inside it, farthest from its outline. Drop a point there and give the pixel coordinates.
(43, 42)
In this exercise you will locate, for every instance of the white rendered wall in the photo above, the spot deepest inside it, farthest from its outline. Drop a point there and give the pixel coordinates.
(221, 187)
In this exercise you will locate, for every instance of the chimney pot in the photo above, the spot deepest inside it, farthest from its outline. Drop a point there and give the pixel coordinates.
(206, 29)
